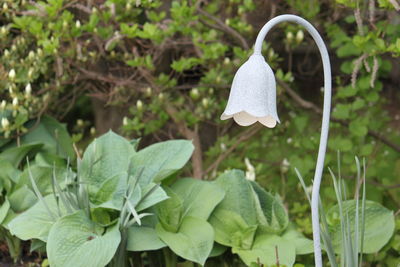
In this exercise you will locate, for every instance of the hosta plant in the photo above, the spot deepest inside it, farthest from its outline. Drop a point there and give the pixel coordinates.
(119, 203)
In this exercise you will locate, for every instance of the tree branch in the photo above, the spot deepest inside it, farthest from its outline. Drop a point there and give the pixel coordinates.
(309, 105)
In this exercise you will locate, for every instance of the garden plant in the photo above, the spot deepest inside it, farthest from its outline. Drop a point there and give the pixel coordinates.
(112, 151)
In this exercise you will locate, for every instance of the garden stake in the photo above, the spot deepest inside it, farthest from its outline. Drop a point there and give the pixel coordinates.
(253, 98)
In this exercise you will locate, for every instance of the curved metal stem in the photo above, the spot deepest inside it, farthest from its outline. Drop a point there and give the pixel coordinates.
(325, 118)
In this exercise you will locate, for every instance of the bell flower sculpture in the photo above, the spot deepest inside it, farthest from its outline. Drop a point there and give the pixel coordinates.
(253, 98)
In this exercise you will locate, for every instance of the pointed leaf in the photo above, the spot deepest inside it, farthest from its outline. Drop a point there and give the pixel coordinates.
(161, 160)
(193, 241)
(141, 238)
(199, 197)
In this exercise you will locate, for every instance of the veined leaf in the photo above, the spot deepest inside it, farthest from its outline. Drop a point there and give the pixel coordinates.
(141, 238)
(36, 221)
(379, 225)
(193, 241)
(161, 160)
(74, 240)
(199, 197)
(267, 249)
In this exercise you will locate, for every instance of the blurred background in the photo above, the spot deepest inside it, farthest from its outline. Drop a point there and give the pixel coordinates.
(160, 70)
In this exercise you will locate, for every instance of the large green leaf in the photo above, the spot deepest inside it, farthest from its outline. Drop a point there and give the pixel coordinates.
(303, 245)
(235, 217)
(15, 155)
(106, 158)
(42, 175)
(111, 192)
(271, 213)
(152, 194)
(193, 241)
(22, 199)
(141, 238)
(4, 208)
(267, 249)
(232, 230)
(36, 221)
(160, 160)
(238, 195)
(74, 240)
(8, 175)
(170, 211)
(52, 134)
(199, 197)
(379, 225)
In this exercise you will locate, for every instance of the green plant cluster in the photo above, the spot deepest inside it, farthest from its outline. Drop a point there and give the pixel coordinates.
(129, 206)
(162, 70)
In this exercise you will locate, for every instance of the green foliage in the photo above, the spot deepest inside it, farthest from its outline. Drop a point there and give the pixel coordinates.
(162, 70)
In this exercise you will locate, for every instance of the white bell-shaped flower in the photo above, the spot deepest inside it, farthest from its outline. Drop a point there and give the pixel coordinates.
(253, 94)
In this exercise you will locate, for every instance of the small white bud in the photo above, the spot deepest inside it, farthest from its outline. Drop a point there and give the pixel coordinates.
(194, 93)
(299, 36)
(15, 102)
(128, 6)
(3, 104)
(161, 96)
(39, 51)
(28, 90)
(31, 55)
(11, 74)
(227, 60)
(65, 24)
(94, 10)
(205, 102)
(5, 123)
(14, 47)
(125, 121)
(289, 37)
(139, 105)
(92, 131)
(30, 73)
(78, 24)
(285, 165)
(79, 122)
(148, 91)
(3, 30)
(5, 7)
(6, 53)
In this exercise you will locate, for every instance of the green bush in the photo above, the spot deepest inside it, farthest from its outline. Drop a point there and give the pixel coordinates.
(160, 70)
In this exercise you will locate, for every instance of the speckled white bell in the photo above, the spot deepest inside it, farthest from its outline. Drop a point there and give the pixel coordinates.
(253, 94)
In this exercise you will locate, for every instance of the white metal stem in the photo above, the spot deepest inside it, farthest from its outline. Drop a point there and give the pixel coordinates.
(325, 118)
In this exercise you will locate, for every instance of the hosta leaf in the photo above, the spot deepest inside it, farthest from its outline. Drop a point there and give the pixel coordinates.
(15, 155)
(303, 245)
(52, 134)
(193, 241)
(160, 160)
(267, 249)
(74, 240)
(271, 213)
(111, 192)
(106, 158)
(379, 225)
(232, 230)
(43, 178)
(141, 238)
(199, 197)
(22, 199)
(238, 192)
(36, 221)
(152, 194)
(4, 208)
(170, 211)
